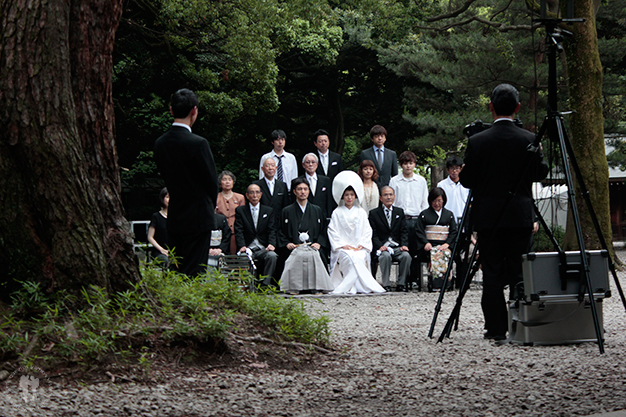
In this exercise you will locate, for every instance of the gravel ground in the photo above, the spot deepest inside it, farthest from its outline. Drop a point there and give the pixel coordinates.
(385, 366)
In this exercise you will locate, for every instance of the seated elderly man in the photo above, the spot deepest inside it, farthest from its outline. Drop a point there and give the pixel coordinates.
(255, 232)
(302, 235)
(390, 239)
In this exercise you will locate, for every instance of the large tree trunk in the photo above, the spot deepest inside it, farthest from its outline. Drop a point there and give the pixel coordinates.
(62, 221)
(587, 124)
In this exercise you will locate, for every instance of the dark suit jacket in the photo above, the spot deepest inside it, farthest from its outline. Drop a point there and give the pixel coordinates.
(323, 197)
(221, 223)
(390, 164)
(335, 165)
(277, 201)
(186, 163)
(381, 230)
(245, 232)
(495, 161)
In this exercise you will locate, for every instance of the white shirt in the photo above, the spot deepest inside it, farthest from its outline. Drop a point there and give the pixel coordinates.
(324, 160)
(182, 125)
(456, 195)
(270, 184)
(303, 208)
(290, 166)
(411, 193)
(312, 182)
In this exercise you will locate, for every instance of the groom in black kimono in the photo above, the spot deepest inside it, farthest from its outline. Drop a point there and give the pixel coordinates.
(303, 217)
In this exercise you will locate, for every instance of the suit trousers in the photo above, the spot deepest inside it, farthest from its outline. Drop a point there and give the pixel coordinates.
(269, 259)
(501, 253)
(385, 259)
(191, 250)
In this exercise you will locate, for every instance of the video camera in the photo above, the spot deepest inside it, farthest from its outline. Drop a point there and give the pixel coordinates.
(478, 126)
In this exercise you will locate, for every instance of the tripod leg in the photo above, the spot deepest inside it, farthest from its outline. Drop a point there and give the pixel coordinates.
(459, 300)
(565, 150)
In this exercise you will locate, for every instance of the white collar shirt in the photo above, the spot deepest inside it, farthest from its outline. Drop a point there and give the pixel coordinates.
(182, 125)
(312, 180)
(411, 193)
(456, 196)
(270, 184)
(324, 160)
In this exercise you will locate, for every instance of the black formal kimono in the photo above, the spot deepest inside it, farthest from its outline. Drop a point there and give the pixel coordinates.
(186, 163)
(429, 217)
(312, 221)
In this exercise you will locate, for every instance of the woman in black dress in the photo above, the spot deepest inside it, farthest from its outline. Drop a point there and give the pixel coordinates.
(157, 230)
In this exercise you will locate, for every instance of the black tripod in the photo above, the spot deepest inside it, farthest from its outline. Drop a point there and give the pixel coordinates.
(553, 126)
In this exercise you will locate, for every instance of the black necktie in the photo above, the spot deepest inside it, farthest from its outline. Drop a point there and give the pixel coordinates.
(279, 169)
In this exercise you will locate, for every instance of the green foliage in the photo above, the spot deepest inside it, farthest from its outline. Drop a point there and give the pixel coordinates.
(162, 309)
(142, 169)
(542, 243)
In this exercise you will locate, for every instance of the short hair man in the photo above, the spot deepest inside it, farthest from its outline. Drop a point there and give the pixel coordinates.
(385, 159)
(502, 205)
(274, 192)
(255, 232)
(330, 163)
(186, 163)
(456, 199)
(411, 196)
(390, 238)
(304, 223)
(320, 185)
(286, 166)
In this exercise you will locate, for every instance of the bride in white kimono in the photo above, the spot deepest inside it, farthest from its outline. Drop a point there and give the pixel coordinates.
(350, 236)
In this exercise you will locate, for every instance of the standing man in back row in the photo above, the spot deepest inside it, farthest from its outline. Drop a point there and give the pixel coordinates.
(186, 163)
(286, 165)
(502, 205)
(385, 159)
(330, 163)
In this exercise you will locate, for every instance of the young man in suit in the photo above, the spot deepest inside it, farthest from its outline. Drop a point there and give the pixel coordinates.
(321, 185)
(275, 193)
(385, 159)
(502, 205)
(255, 232)
(286, 165)
(390, 239)
(186, 163)
(330, 163)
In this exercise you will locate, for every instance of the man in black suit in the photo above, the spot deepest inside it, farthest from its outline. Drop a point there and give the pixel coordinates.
(502, 205)
(390, 234)
(386, 160)
(255, 231)
(186, 163)
(275, 193)
(330, 163)
(321, 185)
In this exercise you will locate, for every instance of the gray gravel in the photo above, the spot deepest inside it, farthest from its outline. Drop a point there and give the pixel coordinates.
(385, 366)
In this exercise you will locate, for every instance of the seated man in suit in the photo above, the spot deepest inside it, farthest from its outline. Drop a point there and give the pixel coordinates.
(220, 240)
(275, 193)
(330, 163)
(390, 238)
(255, 232)
(321, 185)
(385, 159)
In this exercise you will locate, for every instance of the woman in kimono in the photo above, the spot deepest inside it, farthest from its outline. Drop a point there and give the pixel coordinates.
(350, 236)
(436, 231)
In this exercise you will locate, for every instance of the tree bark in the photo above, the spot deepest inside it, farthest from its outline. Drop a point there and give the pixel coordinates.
(587, 125)
(62, 221)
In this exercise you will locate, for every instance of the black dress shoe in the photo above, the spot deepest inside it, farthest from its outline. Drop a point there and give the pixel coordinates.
(495, 336)
(401, 288)
(387, 288)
